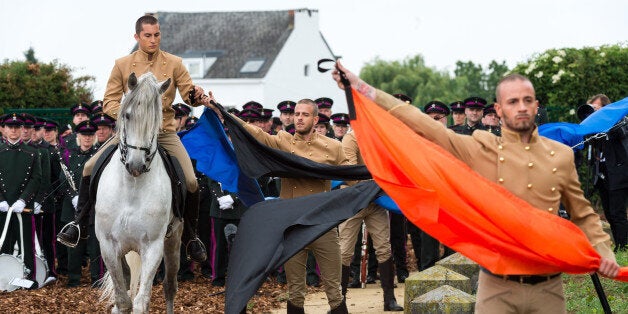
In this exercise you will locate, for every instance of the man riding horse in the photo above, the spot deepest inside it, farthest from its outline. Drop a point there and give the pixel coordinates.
(148, 58)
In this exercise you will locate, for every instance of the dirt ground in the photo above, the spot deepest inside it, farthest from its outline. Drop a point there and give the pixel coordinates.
(194, 296)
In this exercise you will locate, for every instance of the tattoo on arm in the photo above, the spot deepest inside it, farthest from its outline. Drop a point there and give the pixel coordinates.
(366, 90)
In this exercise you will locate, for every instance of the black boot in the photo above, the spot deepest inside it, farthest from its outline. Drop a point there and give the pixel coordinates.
(341, 308)
(293, 309)
(73, 231)
(387, 277)
(344, 279)
(194, 248)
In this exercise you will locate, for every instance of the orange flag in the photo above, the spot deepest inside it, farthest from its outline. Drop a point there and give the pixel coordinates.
(502, 232)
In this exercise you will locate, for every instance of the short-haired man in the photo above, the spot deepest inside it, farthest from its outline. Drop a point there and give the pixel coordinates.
(457, 113)
(473, 110)
(149, 58)
(286, 109)
(534, 168)
(326, 249)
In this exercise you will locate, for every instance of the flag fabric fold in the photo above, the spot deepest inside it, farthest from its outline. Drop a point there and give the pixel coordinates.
(271, 232)
(208, 144)
(599, 121)
(257, 159)
(495, 232)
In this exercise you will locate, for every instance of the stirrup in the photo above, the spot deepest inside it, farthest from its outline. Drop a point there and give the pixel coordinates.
(66, 243)
(187, 248)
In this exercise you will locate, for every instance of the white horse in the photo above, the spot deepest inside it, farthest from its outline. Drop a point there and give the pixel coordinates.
(133, 204)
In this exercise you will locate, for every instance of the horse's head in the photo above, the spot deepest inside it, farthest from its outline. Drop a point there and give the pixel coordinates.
(139, 122)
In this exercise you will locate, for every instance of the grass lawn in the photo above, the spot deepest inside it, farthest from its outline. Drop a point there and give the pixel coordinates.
(582, 298)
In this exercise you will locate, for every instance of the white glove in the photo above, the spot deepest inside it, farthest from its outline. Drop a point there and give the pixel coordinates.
(37, 209)
(225, 202)
(75, 201)
(4, 206)
(18, 206)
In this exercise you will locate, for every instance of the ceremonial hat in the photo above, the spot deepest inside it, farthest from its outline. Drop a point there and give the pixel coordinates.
(81, 108)
(13, 119)
(324, 102)
(340, 118)
(234, 111)
(86, 128)
(323, 118)
(437, 107)
(39, 123)
(65, 127)
(290, 129)
(267, 114)
(96, 106)
(103, 119)
(403, 98)
(253, 105)
(457, 106)
(51, 125)
(181, 110)
(474, 102)
(250, 115)
(29, 120)
(489, 109)
(286, 106)
(190, 122)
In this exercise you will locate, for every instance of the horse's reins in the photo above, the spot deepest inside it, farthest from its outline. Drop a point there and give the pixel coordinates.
(124, 149)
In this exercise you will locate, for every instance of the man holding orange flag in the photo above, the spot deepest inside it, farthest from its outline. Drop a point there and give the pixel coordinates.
(535, 169)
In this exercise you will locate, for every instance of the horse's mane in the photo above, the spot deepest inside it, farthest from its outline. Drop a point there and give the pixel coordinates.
(143, 105)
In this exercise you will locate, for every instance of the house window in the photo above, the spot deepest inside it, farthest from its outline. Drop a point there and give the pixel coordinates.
(197, 67)
(252, 66)
(306, 70)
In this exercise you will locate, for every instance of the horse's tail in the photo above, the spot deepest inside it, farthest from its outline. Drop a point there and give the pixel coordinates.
(107, 292)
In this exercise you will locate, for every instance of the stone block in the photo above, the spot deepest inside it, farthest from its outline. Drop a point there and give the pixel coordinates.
(462, 265)
(444, 299)
(421, 282)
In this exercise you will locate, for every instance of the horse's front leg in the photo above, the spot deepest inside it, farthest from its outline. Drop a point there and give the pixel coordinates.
(123, 302)
(151, 257)
(172, 253)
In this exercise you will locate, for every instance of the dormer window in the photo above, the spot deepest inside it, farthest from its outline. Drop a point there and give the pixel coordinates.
(252, 66)
(198, 66)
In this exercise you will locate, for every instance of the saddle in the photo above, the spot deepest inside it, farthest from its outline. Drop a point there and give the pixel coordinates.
(173, 168)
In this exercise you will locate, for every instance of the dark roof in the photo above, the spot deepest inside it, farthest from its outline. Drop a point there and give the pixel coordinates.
(233, 37)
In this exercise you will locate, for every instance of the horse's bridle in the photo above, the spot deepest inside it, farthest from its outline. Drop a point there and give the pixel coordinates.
(124, 149)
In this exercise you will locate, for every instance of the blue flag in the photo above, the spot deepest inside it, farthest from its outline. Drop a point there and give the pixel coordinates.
(599, 121)
(208, 144)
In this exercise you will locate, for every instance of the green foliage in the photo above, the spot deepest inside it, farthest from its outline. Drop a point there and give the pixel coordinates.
(27, 84)
(423, 84)
(582, 298)
(565, 78)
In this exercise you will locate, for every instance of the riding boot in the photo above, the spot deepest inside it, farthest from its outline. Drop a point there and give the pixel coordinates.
(293, 309)
(341, 308)
(77, 229)
(194, 247)
(344, 279)
(387, 277)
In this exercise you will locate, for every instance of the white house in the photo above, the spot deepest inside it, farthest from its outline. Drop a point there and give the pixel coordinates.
(266, 56)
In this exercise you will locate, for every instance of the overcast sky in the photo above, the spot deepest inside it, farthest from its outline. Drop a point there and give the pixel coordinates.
(90, 35)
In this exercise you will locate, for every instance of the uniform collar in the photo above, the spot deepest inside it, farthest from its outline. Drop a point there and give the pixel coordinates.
(300, 137)
(509, 136)
(144, 56)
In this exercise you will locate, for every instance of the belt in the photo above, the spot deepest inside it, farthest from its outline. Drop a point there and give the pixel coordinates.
(524, 279)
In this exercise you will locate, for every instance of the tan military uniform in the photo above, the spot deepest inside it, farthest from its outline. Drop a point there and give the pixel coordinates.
(163, 65)
(374, 216)
(541, 172)
(326, 249)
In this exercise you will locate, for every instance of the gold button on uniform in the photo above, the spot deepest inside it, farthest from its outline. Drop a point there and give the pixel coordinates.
(552, 153)
(529, 185)
(500, 147)
(501, 159)
(550, 209)
(527, 148)
(530, 164)
(554, 170)
(501, 180)
(553, 189)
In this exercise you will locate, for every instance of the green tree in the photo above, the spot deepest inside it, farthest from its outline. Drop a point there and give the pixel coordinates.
(565, 78)
(31, 84)
(480, 82)
(413, 78)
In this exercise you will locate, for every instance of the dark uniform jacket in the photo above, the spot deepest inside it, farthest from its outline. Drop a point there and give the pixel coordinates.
(231, 213)
(75, 160)
(466, 129)
(20, 173)
(43, 195)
